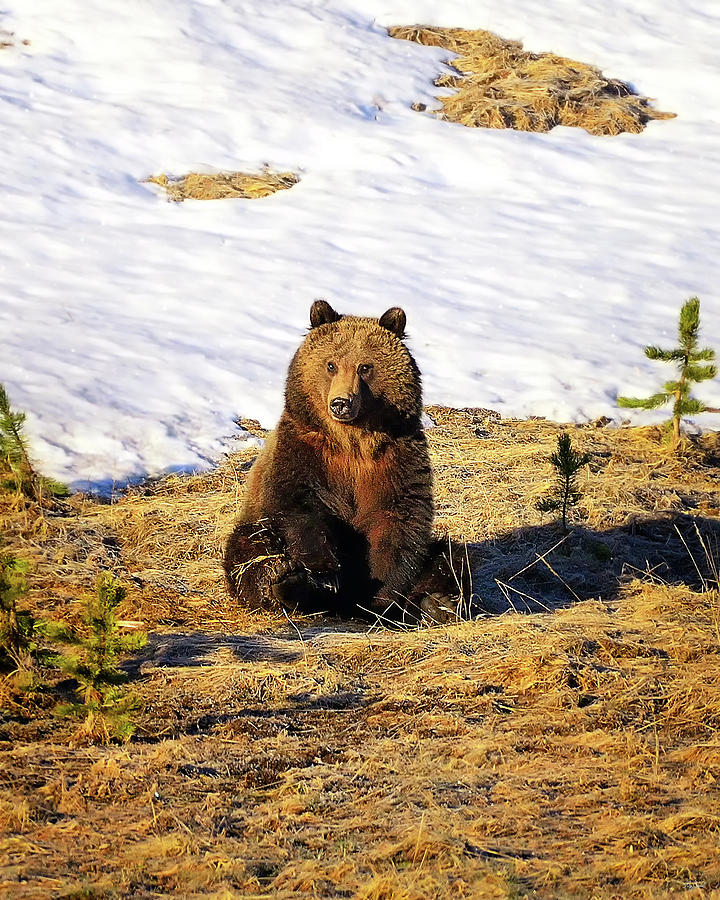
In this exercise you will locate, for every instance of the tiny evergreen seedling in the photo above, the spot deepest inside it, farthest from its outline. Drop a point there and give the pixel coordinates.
(102, 698)
(13, 444)
(20, 473)
(16, 625)
(567, 463)
(23, 638)
(688, 359)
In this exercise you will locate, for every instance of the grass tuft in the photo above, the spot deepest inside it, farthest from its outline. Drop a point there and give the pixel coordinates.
(497, 84)
(224, 185)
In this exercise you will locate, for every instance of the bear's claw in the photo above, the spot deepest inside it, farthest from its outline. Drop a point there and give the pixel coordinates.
(324, 581)
(300, 587)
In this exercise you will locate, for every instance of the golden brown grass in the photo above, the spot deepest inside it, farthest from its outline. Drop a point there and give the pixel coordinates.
(500, 85)
(10, 39)
(571, 753)
(637, 494)
(223, 185)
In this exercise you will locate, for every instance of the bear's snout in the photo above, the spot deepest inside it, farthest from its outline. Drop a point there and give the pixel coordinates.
(344, 409)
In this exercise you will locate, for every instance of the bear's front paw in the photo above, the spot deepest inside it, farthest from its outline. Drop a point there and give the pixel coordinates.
(291, 591)
(303, 589)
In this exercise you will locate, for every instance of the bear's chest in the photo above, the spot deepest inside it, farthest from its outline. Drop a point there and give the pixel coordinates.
(358, 480)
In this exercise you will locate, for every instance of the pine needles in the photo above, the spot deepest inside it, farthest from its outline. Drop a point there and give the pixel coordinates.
(689, 360)
(13, 445)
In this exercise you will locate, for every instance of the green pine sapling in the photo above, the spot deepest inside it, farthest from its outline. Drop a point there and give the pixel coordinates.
(102, 699)
(567, 463)
(15, 457)
(19, 632)
(688, 359)
(13, 443)
(16, 625)
(23, 638)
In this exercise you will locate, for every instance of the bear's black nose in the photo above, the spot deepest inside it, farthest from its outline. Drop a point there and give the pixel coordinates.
(340, 407)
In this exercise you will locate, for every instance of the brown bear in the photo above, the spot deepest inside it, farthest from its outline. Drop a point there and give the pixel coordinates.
(338, 508)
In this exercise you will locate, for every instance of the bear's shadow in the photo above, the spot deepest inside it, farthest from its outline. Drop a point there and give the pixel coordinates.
(528, 570)
(540, 569)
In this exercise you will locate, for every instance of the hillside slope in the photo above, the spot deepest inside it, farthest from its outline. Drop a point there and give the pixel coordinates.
(533, 267)
(569, 751)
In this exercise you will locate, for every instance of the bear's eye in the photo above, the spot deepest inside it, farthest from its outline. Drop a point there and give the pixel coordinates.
(332, 368)
(365, 370)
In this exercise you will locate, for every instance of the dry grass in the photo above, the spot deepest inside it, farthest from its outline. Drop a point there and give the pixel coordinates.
(565, 754)
(223, 185)
(637, 494)
(10, 39)
(500, 85)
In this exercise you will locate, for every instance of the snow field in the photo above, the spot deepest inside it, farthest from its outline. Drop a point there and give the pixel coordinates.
(533, 268)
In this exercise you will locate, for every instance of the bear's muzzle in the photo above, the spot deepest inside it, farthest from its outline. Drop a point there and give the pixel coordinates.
(344, 409)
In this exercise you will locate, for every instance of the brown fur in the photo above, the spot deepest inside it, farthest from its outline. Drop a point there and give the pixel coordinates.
(338, 508)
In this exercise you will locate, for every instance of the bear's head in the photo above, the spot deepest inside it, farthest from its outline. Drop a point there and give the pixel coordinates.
(355, 371)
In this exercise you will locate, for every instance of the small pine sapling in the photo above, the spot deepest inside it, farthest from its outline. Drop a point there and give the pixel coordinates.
(688, 359)
(103, 701)
(21, 634)
(13, 445)
(20, 473)
(16, 625)
(567, 463)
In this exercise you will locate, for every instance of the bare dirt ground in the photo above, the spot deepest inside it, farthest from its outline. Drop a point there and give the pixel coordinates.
(564, 744)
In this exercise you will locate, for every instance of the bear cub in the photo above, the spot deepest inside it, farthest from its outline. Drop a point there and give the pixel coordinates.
(338, 507)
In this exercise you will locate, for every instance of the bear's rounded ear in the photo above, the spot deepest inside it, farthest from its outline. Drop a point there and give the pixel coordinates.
(394, 320)
(321, 313)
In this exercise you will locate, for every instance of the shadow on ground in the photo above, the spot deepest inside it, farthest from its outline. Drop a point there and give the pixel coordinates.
(539, 568)
(197, 648)
(529, 570)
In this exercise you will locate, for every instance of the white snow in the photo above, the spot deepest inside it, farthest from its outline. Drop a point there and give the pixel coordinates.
(533, 268)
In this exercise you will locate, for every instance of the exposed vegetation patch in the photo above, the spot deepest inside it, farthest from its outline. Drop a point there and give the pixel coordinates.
(10, 39)
(500, 85)
(224, 185)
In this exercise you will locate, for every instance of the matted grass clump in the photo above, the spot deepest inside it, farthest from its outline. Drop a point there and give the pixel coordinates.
(225, 185)
(571, 751)
(500, 85)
